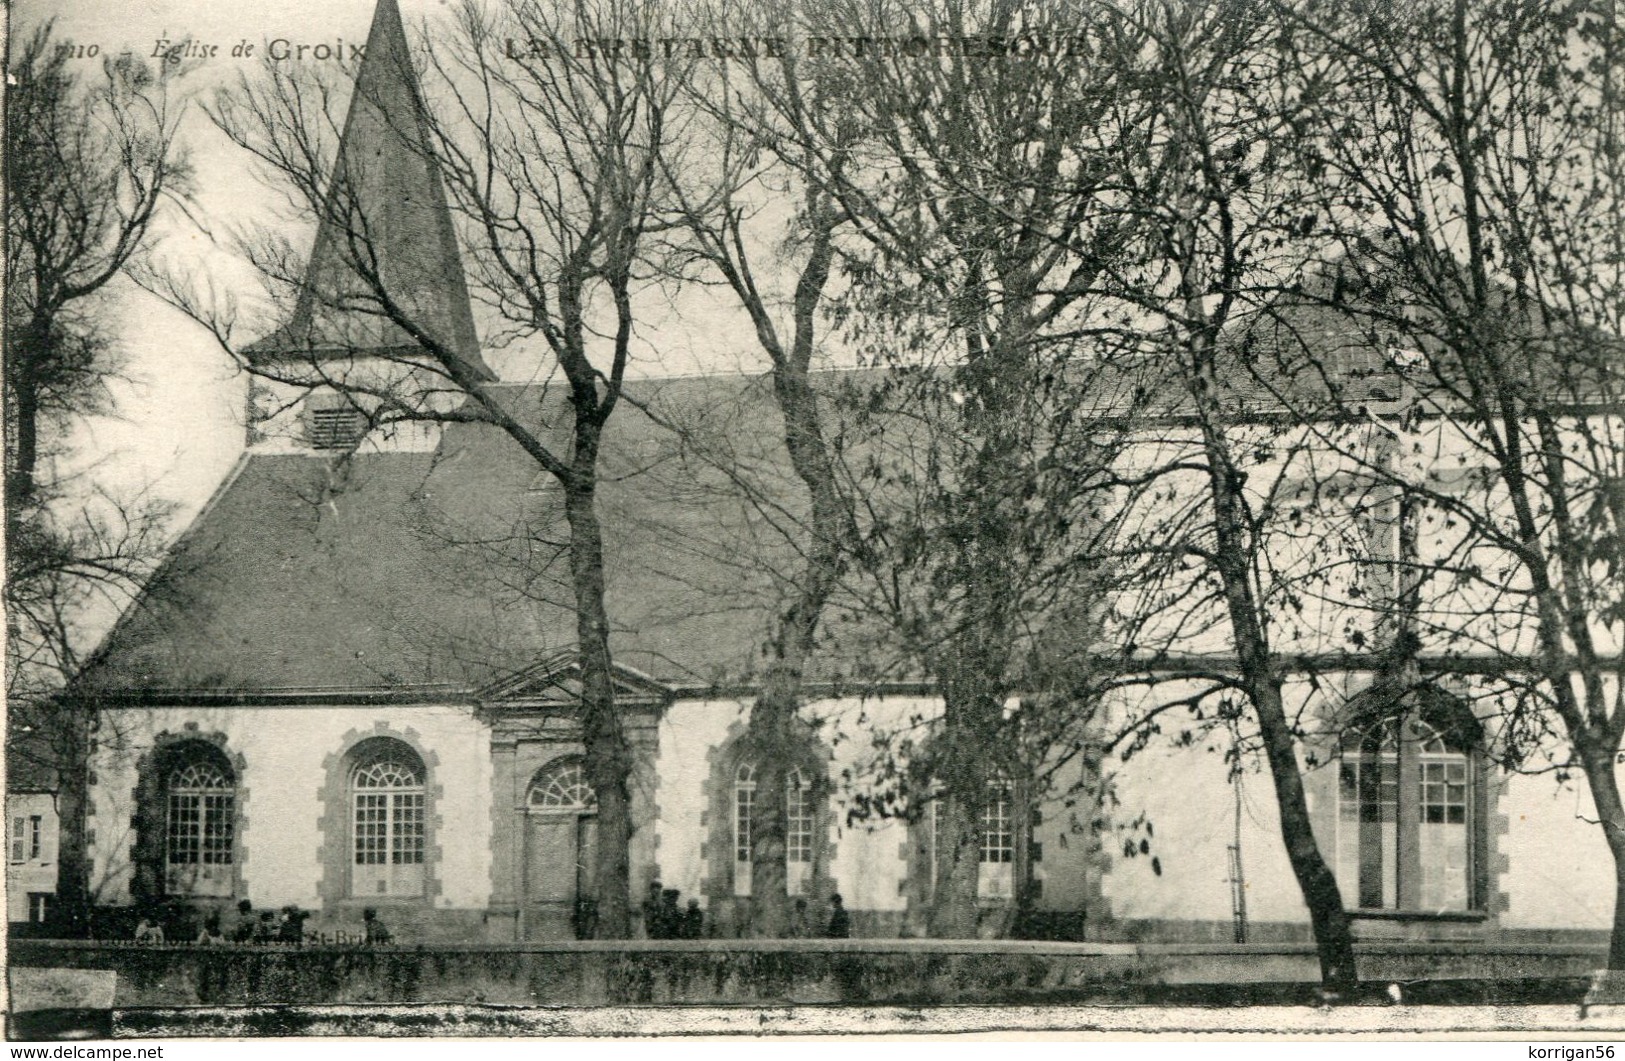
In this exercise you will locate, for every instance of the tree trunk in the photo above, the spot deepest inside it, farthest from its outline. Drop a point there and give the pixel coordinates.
(608, 758)
(74, 899)
(768, 744)
(958, 850)
(1605, 795)
(22, 414)
(1333, 937)
(964, 766)
(772, 733)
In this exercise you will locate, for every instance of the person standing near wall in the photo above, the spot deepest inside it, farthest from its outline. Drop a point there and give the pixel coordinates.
(840, 922)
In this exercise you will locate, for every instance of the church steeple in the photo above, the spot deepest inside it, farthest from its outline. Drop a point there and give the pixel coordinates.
(386, 217)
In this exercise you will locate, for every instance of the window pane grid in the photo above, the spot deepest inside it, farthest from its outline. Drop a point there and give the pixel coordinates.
(998, 835)
(389, 821)
(563, 788)
(200, 816)
(185, 820)
(371, 828)
(406, 838)
(218, 810)
(744, 808)
(1444, 792)
(798, 834)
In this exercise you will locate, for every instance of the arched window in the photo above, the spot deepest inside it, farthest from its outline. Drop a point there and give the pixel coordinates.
(562, 787)
(1406, 819)
(200, 807)
(800, 826)
(387, 801)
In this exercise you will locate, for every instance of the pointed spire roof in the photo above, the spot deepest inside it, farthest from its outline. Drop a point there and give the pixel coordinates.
(386, 216)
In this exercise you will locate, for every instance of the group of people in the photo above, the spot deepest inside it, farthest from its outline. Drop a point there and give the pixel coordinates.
(839, 925)
(265, 926)
(663, 920)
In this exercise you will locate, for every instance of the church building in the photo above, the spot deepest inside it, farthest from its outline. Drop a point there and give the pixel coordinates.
(353, 685)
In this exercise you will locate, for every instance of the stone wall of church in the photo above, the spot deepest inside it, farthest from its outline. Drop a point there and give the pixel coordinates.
(1538, 867)
(292, 804)
(874, 862)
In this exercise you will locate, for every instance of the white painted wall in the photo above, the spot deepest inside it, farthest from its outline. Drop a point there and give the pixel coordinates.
(1559, 873)
(285, 750)
(868, 863)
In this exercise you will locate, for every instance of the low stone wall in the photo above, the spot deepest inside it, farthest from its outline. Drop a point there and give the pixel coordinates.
(849, 972)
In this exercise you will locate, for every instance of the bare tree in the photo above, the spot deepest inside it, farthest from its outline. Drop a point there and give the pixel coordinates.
(723, 236)
(970, 223)
(90, 160)
(1479, 159)
(1213, 240)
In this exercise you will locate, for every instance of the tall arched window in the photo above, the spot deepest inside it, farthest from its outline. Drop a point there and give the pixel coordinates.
(200, 797)
(1406, 819)
(387, 801)
(799, 829)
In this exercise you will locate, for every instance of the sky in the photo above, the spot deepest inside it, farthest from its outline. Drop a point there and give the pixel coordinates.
(179, 426)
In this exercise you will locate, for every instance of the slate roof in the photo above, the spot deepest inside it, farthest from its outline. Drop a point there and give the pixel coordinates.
(447, 570)
(390, 570)
(407, 570)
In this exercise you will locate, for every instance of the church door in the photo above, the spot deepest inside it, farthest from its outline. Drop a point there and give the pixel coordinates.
(561, 849)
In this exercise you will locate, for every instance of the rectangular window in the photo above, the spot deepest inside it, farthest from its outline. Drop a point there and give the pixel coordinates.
(217, 814)
(406, 838)
(34, 837)
(389, 843)
(371, 828)
(798, 835)
(933, 820)
(200, 828)
(185, 829)
(1444, 839)
(995, 872)
(744, 808)
(19, 849)
(39, 906)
